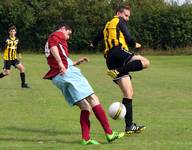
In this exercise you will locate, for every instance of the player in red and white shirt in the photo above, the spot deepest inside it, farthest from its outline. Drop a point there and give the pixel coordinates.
(73, 85)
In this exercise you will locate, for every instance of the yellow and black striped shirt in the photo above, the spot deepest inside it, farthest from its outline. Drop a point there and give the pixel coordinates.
(10, 49)
(115, 33)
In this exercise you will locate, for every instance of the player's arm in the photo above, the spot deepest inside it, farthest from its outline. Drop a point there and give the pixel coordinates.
(55, 52)
(4, 45)
(97, 39)
(53, 42)
(18, 51)
(1, 53)
(80, 61)
(1, 48)
(124, 29)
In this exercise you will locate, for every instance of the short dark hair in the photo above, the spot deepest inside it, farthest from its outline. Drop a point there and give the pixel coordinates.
(64, 24)
(121, 8)
(13, 27)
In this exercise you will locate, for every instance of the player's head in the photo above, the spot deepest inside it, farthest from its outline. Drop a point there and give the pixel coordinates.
(124, 12)
(65, 29)
(12, 31)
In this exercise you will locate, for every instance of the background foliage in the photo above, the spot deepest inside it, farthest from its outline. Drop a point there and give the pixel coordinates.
(40, 119)
(153, 23)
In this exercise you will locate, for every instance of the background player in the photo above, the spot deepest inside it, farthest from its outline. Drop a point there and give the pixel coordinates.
(10, 52)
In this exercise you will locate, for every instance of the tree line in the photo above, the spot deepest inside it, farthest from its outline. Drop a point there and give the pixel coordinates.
(154, 23)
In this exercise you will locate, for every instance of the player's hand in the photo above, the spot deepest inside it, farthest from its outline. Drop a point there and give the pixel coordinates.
(82, 60)
(62, 69)
(138, 45)
(20, 56)
(91, 45)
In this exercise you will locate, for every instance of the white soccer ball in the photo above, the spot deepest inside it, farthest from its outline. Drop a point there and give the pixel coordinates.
(117, 111)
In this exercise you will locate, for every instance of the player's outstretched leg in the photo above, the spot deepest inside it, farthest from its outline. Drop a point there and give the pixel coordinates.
(115, 135)
(101, 116)
(113, 73)
(85, 123)
(1, 75)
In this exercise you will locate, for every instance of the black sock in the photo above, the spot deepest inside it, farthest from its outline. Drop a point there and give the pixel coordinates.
(1, 75)
(22, 75)
(135, 65)
(129, 115)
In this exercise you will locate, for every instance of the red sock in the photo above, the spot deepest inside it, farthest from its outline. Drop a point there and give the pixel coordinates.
(100, 115)
(85, 124)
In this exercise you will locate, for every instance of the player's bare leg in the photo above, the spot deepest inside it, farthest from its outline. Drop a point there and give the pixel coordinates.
(145, 62)
(127, 90)
(21, 69)
(5, 72)
(101, 116)
(85, 122)
(136, 63)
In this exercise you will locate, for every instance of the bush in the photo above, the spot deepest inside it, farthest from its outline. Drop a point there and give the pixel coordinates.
(154, 23)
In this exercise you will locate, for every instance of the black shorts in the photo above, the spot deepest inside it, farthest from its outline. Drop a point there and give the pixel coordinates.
(9, 63)
(117, 57)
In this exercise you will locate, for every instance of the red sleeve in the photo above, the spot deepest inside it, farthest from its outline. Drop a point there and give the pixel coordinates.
(53, 40)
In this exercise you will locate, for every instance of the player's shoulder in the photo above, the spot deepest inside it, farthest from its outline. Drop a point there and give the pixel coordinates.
(16, 39)
(116, 19)
(55, 35)
(121, 20)
(6, 38)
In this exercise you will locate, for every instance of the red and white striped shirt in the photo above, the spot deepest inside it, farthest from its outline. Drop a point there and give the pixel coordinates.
(56, 39)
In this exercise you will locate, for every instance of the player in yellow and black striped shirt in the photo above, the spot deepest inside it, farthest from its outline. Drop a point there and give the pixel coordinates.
(10, 52)
(120, 61)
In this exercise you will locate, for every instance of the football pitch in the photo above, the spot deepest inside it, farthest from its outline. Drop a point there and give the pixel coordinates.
(40, 119)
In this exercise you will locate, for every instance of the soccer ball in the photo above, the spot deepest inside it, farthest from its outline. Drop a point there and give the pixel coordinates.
(117, 110)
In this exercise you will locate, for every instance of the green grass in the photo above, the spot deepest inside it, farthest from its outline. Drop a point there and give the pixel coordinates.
(39, 118)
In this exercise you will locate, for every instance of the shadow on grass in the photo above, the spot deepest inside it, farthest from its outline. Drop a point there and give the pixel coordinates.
(42, 131)
(48, 132)
(39, 141)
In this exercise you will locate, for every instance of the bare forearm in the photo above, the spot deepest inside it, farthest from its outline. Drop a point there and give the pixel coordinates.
(55, 53)
(80, 61)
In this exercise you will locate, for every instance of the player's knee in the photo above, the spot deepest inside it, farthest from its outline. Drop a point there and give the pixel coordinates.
(93, 100)
(84, 105)
(129, 94)
(145, 63)
(22, 69)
